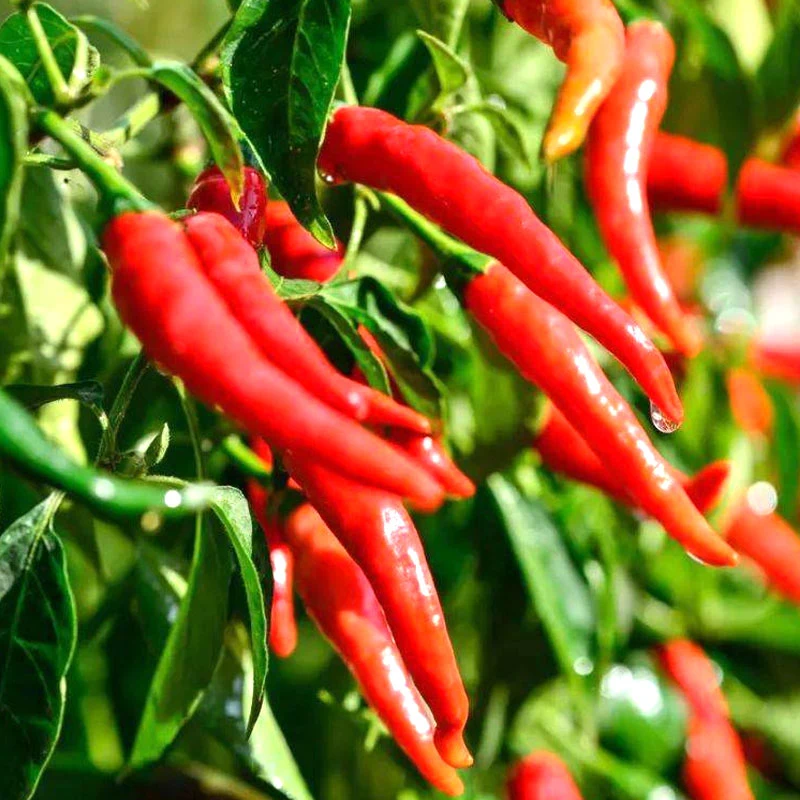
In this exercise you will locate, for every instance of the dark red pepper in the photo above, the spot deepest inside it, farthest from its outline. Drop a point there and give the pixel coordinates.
(541, 776)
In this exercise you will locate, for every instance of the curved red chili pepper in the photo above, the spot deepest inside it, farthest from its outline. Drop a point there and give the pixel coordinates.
(379, 535)
(563, 449)
(293, 251)
(685, 175)
(541, 776)
(160, 287)
(233, 268)
(714, 767)
(589, 37)
(751, 406)
(550, 353)
(768, 196)
(452, 188)
(429, 451)
(770, 542)
(339, 598)
(212, 193)
(617, 156)
(282, 624)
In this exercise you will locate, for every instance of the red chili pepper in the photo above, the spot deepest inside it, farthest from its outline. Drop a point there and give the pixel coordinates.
(449, 186)
(339, 598)
(429, 451)
(293, 251)
(212, 193)
(714, 767)
(770, 542)
(282, 625)
(684, 175)
(541, 776)
(682, 259)
(768, 196)
(617, 156)
(751, 406)
(232, 266)
(779, 360)
(589, 37)
(379, 535)
(162, 291)
(550, 353)
(563, 449)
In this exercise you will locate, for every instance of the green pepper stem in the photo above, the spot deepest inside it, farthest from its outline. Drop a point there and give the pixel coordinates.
(118, 193)
(58, 83)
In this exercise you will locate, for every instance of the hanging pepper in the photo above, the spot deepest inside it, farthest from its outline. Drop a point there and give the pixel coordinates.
(684, 175)
(777, 359)
(549, 352)
(563, 449)
(751, 406)
(771, 543)
(714, 767)
(450, 187)
(212, 193)
(589, 37)
(379, 535)
(768, 196)
(162, 288)
(293, 251)
(617, 157)
(541, 776)
(283, 625)
(339, 598)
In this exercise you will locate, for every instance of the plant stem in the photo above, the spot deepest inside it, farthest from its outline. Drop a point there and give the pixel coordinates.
(58, 83)
(244, 458)
(133, 121)
(190, 412)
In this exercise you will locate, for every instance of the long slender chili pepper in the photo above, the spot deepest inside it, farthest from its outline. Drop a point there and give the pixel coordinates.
(163, 294)
(714, 767)
(212, 193)
(617, 156)
(294, 252)
(684, 175)
(549, 352)
(564, 450)
(232, 266)
(379, 535)
(339, 598)
(589, 37)
(450, 187)
(779, 360)
(770, 542)
(541, 776)
(751, 406)
(768, 196)
(283, 625)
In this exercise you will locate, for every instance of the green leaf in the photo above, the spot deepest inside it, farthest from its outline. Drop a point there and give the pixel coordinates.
(13, 145)
(38, 632)
(191, 653)
(218, 127)
(559, 593)
(442, 18)
(778, 78)
(22, 443)
(233, 511)
(785, 451)
(90, 393)
(76, 59)
(112, 31)
(452, 71)
(281, 64)
(507, 128)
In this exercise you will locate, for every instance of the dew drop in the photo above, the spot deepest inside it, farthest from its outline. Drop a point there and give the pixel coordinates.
(172, 498)
(583, 666)
(762, 498)
(103, 488)
(327, 178)
(660, 422)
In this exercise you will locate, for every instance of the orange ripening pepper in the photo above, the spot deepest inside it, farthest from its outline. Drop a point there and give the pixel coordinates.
(339, 598)
(541, 776)
(293, 251)
(381, 538)
(563, 449)
(450, 187)
(589, 37)
(770, 542)
(617, 157)
(751, 406)
(161, 287)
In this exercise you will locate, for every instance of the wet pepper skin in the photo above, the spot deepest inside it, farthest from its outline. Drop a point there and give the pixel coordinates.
(340, 599)
(550, 353)
(617, 157)
(379, 535)
(161, 289)
(589, 37)
(450, 187)
(541, 776)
